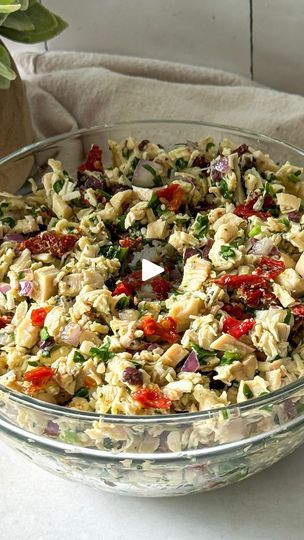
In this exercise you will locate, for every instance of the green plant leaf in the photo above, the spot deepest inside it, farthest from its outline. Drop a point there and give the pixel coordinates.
(46, 26)
(9, 6)
(6, 73)
(19, 21)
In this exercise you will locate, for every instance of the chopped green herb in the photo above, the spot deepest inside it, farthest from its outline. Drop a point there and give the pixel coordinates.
(116, 252)
(58, 185)
(288, 317)
(120, 223)
(247, 391)
(153, 202)
(82, 392)
(78, 357)
(285, 222)
(102, 353)
(150, 169)
(9, 221)
(21, 275)
(180, 164)
(44, 333)
(69, 437)
(104, 193)
(225, 414)
(4, 204)
(134, 162)
(123, 303)
(107, 442)
(223, 187)
(268, 190)
(227, 252)
(274, 212)
(157, 181)
(126, 152)
(200, 225)
(202, 354)
(294, 177)
(254, 231)
(229, 357)
(34, 212)
(32, 363)
(209, 145)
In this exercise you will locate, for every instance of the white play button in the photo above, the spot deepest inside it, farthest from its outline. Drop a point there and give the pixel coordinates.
(150, 270)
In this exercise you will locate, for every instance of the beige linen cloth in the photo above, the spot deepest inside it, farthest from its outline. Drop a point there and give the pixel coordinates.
(70, 90)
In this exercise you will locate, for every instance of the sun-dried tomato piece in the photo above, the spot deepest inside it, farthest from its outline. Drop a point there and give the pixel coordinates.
(173, 196)
(239, 280)
(5, 320)
(298, 310)
(122, 288)
(234, 311)
(39, 377)
(164, 329)
(246, 210)
(38, 316)
(270, 268)
(161, 287)
(151, 398)
(130, 242)
(236, 328)
(93, 161)
(50, 242)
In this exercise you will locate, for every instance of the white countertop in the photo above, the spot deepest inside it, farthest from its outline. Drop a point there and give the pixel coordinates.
(36, 505)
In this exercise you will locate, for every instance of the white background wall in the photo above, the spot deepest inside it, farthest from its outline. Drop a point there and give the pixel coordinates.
(259, 38)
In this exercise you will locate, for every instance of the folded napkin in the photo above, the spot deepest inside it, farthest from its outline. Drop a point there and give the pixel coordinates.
(70, 90)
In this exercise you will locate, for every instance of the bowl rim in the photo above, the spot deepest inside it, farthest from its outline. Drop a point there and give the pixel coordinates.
(262, 401)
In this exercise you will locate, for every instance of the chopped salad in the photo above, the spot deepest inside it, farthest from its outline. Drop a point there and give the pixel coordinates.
(221, 325)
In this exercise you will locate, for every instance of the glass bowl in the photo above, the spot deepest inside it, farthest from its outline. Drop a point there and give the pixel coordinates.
(150, 455)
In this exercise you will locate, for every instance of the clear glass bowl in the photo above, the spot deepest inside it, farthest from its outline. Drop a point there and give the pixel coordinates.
(151, 455)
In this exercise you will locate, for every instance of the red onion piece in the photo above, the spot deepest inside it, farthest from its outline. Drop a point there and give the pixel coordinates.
(262, 247)
(221, 165)
(26, 288)
(152, 347)
(5, 287)
(191, 363)
(242, 149)
(14, 237)
(142, 176)
(206, 248)
(295, 216)
(71, 334)
(52, 429)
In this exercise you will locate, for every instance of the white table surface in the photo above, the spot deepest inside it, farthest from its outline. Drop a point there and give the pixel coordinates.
(35, 505)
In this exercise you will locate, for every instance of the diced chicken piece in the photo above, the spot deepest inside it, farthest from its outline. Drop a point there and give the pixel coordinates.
(226, 233)
(208, 399)
(22, 262)
(292, 281)
(287, 260)
(144, 194)
(60, 207)
(300, 266)
(121, 198)
(237, 371)
(288, 202)
(44, 283)
(158, 229)
(176, 389)
(26, 225)
(182, 310)
(256, 386)
(179, 240)
(228, 343)
(283, 295)
(297, 239)
(55, 321)
(274, 379)
(174, 355)
(70, 285)
(26, 334)
(220, 262)
(136, 213)
(196, 272)
(228, 219)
